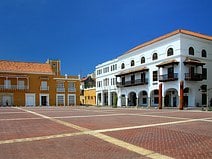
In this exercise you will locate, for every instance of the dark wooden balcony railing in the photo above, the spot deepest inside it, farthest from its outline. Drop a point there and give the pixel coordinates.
(168, 77)
(132, 83)
(193, 77)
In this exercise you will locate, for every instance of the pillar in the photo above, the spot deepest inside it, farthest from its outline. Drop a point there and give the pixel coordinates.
(109, 98)
(181, 95)
(160, 97)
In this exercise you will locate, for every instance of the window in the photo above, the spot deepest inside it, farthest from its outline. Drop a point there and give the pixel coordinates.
(71, 87)
(155, 56)
(204, 73)
(191, 51)
(44, 85)
(20, 84)
(122, 66)
(60, 100)
(7, 84)
(204, 53)
(170, 52)
(132, 63)
(123, 80)
(142, 60)
(60, 87)
(155, 75)
(132, 79)
(71, 99)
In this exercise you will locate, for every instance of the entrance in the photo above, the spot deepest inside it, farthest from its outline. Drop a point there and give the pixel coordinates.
(44, 99)
(7, 100)
(132, 99)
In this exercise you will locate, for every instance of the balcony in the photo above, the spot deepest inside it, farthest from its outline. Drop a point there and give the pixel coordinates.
(60, 89)
(44, 88)
(193, 77)
(132, 83)
(13, 87)
(168, 77)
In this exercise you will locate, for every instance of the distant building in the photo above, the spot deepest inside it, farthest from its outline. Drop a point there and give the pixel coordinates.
(37, 84)
(170, 71)
(88, 90)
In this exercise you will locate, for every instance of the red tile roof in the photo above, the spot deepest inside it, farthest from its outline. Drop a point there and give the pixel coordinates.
(25, 67)
(198, 35)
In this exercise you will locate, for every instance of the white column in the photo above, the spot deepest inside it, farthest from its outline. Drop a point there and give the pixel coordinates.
(109, 98)
(126, 101)
(119, 101)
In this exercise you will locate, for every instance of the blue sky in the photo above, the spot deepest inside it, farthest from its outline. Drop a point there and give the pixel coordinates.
(84, 33)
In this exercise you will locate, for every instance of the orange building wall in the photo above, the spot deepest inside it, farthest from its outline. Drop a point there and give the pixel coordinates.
(34, 87)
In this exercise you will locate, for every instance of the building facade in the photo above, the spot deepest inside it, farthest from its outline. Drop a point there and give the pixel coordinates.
(88, 90)
(37, 84)
(169, 71)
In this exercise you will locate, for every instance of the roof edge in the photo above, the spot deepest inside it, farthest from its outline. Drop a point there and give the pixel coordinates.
(183, 31)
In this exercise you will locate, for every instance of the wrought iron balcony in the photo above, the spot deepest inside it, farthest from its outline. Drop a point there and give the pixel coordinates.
(168, 77)
(193, 77)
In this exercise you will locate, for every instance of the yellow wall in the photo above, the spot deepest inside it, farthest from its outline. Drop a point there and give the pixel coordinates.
(90, 96)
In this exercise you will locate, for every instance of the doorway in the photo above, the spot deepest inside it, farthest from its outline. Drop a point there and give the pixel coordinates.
(44, 99)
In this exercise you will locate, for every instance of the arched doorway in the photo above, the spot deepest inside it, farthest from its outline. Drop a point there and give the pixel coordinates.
(171, 98)
(154, 96)
(132, 99)
(114, 98)
(143, 99)
(123, 100)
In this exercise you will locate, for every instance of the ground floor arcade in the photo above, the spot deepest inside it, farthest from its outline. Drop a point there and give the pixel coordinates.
(178, 96)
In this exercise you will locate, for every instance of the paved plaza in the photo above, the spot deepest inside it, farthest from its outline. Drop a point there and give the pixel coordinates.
(104, 133)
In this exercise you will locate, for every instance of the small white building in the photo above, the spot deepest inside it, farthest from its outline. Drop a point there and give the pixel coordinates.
(170, 71)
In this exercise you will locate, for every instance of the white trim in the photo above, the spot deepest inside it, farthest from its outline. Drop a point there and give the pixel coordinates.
(74, 95)
(46, 95)
(57, 98)
(30, 94)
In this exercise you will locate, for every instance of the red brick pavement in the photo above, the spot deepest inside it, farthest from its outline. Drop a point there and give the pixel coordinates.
(77, 147)
(31, 128)
(116, 121)
(183, 141)
(186, 141)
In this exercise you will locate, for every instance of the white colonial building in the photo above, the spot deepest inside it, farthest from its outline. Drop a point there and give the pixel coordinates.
(173, 70)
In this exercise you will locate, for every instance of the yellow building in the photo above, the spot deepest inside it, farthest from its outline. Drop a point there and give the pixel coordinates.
(88, 90)
(90, 96)
(37, 84)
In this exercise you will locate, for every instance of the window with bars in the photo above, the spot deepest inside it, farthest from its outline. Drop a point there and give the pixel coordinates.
(72, 99)
(60, 87)
(60, 100)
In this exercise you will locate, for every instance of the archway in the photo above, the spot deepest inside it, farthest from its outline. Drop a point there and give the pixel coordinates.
(171, 98)
(114, 98)
(123, 100)
(143, 98)
(132, 99)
